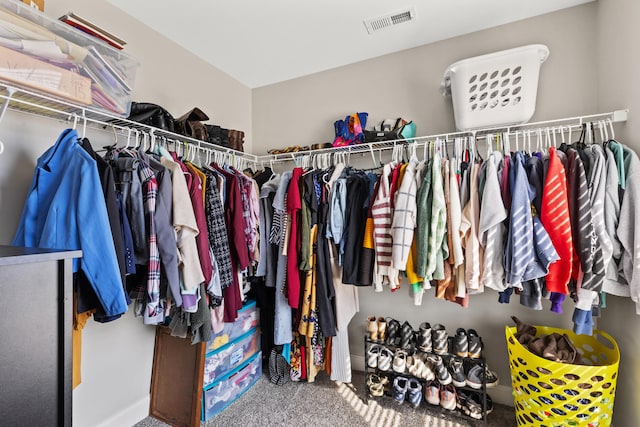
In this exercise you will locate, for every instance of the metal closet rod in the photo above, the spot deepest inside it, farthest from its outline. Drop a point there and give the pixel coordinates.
(560, 125)
(45, 106)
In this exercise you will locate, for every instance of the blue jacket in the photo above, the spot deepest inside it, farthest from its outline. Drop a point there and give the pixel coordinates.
(65, 209)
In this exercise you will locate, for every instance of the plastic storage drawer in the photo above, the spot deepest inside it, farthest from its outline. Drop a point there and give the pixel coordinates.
(228, 357)
(226, 390)
(247, 319)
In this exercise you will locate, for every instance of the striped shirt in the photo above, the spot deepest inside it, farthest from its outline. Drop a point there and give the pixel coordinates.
(589, 260)
(382, 214)
(404, 217)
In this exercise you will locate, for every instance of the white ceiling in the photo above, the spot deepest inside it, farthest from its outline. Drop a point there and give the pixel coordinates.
(269, 41)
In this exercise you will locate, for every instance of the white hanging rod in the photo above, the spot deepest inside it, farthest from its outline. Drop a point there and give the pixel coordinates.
(41, 105)
(560, 125)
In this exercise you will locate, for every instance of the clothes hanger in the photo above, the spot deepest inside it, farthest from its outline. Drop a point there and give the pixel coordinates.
(3, 109)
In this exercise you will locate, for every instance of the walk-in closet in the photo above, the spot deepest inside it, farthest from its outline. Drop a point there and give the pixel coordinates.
(321, 214)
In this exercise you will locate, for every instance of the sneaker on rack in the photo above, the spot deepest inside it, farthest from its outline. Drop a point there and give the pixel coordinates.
(400, 361)
(475, 344)
(448, 397)
(479, 374)
(442, 374)
(407, 339)
(460, 343)
(423, 337)
(385, 357)
(490, 377)
(472, 406)
(456, 370)
(372, 355)
(432, 392)
(414, 392)
(428, 373)
(400, 385)
(439, 339)
(392, 333)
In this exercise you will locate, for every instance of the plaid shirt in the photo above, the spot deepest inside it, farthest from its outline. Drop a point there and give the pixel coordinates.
(218, 238)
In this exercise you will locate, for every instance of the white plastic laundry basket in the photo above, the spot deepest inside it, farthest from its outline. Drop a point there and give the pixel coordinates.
(499, 88)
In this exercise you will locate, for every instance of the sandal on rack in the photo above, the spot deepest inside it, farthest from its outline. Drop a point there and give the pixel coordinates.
(376, 388)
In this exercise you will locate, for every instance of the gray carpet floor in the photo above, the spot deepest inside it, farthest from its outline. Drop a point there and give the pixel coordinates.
(326, 403)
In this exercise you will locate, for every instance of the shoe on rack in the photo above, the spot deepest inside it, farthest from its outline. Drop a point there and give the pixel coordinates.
(442, 374)
(448, 397)
(491, 378)
(385, 357)
(375, 385)
(432, 392)
(475, 344)
(400, 385)
(472, 406)
(427, 370)
(400, 361)
(439, 339)
(386, 384)
(372, 328)
(457, 372)
(460, 343)
(423, 337)
(479, 374)
(372, 355)
(382, 328)
(413, 366)
(407, 336)
(393, 332)
(414, 392)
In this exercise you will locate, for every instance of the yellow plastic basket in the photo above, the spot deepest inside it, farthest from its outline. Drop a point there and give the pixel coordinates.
(553, 394)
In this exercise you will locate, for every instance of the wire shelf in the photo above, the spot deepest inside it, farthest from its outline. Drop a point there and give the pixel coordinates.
(38, 104)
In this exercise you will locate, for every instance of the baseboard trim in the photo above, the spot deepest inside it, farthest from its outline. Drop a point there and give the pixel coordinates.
(501, 394)
(130, 415)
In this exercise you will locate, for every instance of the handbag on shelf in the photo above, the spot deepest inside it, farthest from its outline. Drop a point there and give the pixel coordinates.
(399, 130)
(153, 115)
(190, 124)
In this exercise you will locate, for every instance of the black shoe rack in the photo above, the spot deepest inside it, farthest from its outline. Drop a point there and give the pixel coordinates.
(412, 350)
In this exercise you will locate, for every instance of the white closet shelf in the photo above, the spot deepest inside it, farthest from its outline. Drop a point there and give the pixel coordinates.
(42, 105)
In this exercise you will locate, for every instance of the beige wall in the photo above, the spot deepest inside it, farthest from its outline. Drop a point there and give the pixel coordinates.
(618, 65)
(406, 84)
(117, 357)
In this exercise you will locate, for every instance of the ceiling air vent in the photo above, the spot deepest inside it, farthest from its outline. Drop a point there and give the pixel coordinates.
(389, 20)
